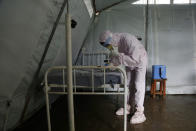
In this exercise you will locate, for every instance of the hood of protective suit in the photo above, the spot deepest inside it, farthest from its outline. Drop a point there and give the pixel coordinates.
(116, 37)
(106, 34)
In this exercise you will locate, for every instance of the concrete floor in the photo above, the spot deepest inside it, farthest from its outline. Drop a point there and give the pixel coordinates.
(96, 113)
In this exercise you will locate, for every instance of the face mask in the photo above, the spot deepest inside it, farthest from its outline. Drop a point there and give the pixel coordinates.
(106, 43)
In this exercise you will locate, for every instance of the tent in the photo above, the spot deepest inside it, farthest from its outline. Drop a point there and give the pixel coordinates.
(32, 38)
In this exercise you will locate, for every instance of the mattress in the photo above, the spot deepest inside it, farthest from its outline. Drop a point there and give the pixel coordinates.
(84, 78)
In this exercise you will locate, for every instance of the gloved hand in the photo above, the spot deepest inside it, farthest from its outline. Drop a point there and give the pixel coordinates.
(114, 53)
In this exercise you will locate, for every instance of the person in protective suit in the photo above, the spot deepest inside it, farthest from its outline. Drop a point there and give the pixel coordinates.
(132, 54)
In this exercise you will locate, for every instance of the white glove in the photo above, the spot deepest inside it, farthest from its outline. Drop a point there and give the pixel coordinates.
(114, 53)
(121, 66)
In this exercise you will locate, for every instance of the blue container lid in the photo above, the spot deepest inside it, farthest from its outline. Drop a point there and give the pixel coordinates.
(159, 65)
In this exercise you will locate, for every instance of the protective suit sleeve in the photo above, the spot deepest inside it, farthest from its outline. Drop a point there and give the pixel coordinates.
(114, 53)
(127, 60)
(123, 59)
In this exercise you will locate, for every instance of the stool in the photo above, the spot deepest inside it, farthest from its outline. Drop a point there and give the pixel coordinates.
(162, 90)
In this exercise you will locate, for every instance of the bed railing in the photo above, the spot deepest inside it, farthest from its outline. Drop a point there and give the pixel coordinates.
(94, 58)
(121, 89)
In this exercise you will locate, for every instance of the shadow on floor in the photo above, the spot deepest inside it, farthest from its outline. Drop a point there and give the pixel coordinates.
(97, 113)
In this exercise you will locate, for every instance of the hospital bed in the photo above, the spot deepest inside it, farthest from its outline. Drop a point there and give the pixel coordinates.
(90, 78)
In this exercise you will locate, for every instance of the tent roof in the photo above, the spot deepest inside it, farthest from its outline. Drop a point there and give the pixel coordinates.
(101, 4)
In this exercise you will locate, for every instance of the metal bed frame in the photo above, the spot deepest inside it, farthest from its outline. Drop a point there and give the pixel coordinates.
(93, 90)
(94, 58)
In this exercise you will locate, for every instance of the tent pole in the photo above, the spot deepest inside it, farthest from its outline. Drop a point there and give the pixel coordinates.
(69, 70)
(194, 30)
(156, 33)
(146, 33)
(94, 6)
(146, 25)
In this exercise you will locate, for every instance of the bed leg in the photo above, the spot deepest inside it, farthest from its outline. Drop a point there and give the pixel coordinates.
(48, 109)
(125, 111)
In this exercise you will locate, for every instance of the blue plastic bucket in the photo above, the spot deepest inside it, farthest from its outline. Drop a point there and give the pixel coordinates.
(158, 72)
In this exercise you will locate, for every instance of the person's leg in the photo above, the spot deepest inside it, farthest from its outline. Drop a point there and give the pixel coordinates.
(120, 111)
(139, 116)
(128, 72)
(140, 87)
(132, 91)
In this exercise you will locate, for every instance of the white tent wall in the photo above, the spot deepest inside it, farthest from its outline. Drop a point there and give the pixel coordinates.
(25, 28)
(171, 39)
(171, 43)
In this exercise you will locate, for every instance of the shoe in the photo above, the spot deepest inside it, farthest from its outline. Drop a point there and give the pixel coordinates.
(120, 111)
(138, 118)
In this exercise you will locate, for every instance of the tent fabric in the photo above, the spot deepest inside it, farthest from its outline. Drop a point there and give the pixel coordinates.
(101, 4)
(25, 29)
(24, 34)
(81, 16)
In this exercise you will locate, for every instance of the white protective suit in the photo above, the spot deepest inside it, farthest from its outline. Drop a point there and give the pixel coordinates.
(133, 56)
